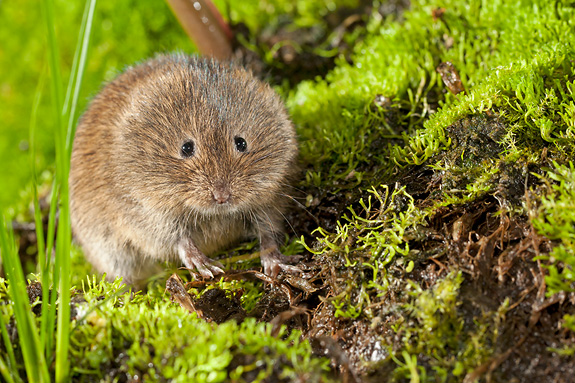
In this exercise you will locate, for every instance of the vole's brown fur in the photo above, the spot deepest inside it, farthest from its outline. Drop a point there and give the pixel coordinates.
(136, 199)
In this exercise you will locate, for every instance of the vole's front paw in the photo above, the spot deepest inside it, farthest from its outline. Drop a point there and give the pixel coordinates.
(273, 262)
(208, 268)
(193, 258)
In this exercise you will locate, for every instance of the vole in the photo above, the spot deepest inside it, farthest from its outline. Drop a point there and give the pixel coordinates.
(177, 158)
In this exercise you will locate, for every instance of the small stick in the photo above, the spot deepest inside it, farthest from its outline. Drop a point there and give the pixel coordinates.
(205, 26)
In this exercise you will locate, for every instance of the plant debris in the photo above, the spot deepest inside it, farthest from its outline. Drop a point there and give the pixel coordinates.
(450, 77)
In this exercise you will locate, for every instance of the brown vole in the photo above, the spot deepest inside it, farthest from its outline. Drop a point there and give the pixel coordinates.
(176, 158)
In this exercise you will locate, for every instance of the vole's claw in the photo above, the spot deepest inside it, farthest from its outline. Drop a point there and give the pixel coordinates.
(193, 258)
(273, 262)
(209, 270)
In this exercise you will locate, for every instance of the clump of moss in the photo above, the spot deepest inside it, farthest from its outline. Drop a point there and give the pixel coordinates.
(438, 343)
(260, 14)
(519, 99)
(366, 241)
(534, 97)
(502, 66)
(554, 217)
(147, 338)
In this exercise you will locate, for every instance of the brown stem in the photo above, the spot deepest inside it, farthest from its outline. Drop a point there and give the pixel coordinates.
(205, 26)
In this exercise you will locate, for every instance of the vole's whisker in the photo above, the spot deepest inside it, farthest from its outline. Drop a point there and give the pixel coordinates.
(292, 187)
(262, 158)
(299, 204)
(288, 222)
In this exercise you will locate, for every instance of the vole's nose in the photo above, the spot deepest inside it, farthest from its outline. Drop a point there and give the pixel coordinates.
(221, 193)
(221, 196)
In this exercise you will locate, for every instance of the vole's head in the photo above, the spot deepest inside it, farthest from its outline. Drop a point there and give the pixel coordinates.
(205, 138)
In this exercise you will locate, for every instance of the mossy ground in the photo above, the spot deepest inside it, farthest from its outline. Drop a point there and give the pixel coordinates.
(438, 227)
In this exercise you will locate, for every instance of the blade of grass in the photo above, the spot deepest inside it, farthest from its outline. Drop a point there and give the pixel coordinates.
(78, 69)
(48, 274)
(32, 350)
(11, 367)
(8, 369)
(56, 94)
(43, 259)
(37, 212)
(61, 267)
(6, 373)
(63, 147)
(63, 264)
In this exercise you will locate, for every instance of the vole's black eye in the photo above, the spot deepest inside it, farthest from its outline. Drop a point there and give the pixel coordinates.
(187, 150)
(241, 144)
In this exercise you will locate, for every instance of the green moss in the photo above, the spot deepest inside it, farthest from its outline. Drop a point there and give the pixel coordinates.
(145, 336)
(366, 241)
(555, 219)
(501, 65)
(522, 76)
(258, 15)
(533, 109)
(387, 112)
(149, 337)
(438, 345)
(569, 323)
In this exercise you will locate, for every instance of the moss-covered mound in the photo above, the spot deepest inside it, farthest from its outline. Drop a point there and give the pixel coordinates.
(454, 261)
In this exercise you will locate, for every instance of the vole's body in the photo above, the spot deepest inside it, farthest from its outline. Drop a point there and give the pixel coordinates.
(140, 195)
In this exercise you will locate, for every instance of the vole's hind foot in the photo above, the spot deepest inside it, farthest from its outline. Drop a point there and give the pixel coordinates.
(274, 261)
(194, 259)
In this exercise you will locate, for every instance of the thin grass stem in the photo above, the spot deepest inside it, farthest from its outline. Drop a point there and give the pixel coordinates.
(64, 237)
(78, 70)
(11, 364)
(32, 350)
(6, 372)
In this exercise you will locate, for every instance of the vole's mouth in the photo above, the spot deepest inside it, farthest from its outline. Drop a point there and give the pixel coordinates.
(222, 212)
(223, 206)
